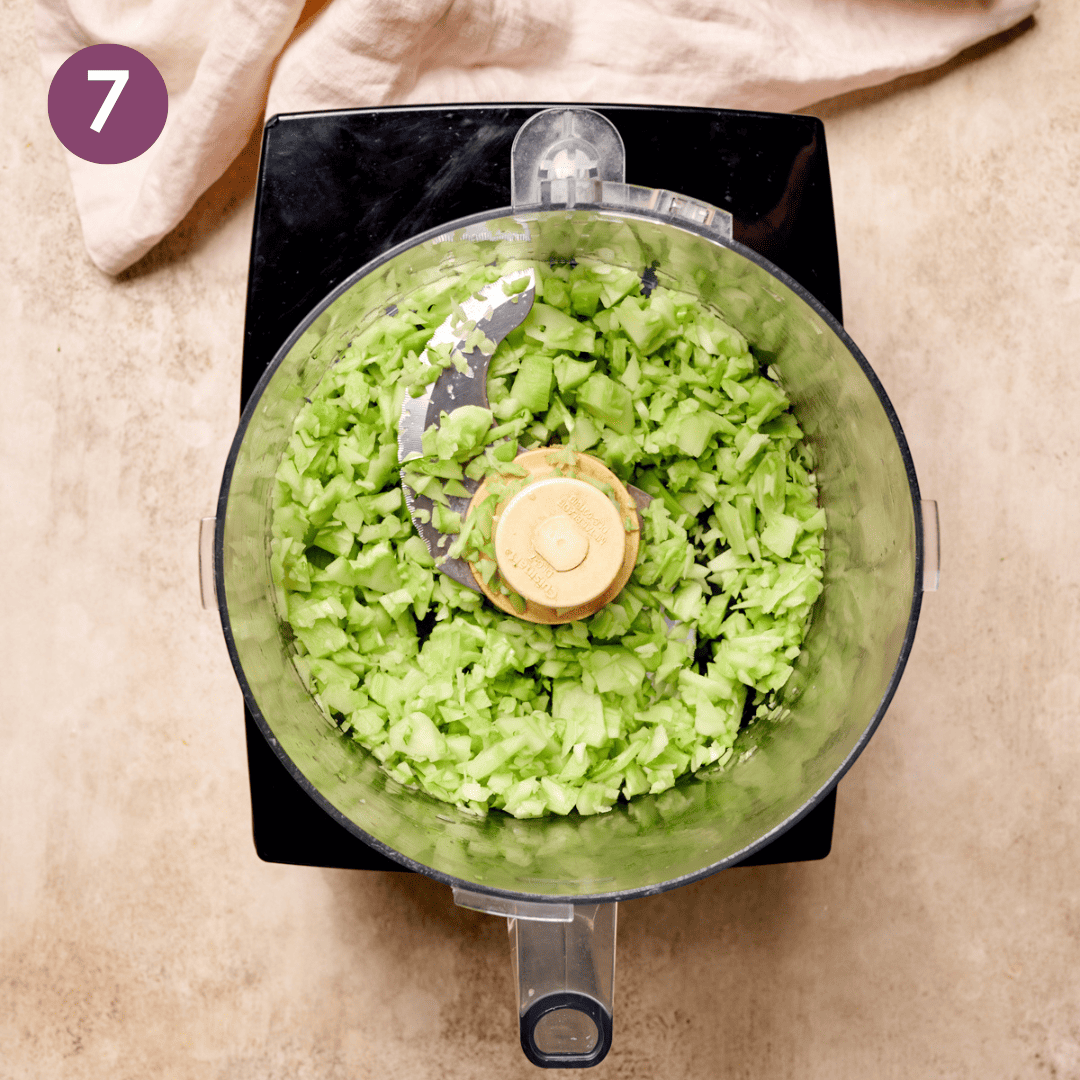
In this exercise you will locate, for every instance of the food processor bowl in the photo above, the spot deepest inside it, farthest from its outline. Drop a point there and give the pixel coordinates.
(561, 872)
(855, 648)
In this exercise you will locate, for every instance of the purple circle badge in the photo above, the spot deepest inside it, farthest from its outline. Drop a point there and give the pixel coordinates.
(108, 104)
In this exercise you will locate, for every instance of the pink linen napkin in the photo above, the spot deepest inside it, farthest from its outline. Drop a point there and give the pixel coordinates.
(227, 64)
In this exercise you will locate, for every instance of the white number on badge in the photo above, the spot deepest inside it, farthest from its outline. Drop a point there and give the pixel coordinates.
(119, 81)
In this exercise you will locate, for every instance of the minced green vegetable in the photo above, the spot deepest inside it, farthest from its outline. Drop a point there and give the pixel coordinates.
(487, 711)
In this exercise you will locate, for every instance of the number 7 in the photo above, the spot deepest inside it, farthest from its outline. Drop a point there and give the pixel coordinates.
(119, 81)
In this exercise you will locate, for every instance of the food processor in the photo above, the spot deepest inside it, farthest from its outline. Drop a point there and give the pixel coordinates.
(558, 880)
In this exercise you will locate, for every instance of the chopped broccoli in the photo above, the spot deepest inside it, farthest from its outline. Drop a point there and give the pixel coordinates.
(490, 712)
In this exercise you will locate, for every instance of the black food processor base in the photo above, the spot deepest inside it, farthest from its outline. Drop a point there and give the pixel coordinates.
(336, 189)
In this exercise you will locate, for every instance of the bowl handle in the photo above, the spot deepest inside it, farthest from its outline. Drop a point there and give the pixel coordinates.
(564, 965)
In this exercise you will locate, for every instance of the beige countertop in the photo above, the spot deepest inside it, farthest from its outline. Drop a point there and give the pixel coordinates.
(141, 936)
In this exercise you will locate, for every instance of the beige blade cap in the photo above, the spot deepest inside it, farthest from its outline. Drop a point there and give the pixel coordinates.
(561, 542)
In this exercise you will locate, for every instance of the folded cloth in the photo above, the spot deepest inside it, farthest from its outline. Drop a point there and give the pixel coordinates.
(229, 63)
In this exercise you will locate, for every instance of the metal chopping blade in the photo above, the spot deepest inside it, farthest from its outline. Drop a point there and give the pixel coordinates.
(494, 313)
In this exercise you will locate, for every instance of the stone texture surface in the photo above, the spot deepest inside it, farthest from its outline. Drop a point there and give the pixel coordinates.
(141, 936)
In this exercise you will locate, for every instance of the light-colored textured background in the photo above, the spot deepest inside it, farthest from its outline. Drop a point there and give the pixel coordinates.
(140, 935)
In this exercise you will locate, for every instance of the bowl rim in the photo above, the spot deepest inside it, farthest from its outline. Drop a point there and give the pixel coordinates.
(735, 858)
